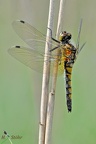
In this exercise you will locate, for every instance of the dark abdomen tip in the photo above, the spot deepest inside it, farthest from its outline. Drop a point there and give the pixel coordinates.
(69, 105)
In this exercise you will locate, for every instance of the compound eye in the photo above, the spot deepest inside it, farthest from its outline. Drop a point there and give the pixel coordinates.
(63, 33)
(69, 35)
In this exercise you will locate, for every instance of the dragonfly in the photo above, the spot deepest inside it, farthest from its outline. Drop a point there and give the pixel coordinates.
(33, 56)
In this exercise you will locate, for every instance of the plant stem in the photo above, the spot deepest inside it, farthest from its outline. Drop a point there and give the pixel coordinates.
(46, 77)
(51, 100)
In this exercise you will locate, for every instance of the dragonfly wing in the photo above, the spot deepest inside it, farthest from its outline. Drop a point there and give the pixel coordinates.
(30, 34)
(28, 57)
(32, 58)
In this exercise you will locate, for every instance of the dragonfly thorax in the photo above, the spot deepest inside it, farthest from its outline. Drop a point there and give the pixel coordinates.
(64, 37)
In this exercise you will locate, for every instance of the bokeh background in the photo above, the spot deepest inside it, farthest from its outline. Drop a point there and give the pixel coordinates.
(20, 87)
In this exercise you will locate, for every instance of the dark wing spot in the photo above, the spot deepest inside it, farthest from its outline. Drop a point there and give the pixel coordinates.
(22, 21)
(17, 46)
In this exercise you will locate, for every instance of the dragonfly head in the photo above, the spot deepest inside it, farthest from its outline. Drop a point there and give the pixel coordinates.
(64, 37)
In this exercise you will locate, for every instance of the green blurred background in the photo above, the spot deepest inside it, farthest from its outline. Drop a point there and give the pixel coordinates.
(20, 87)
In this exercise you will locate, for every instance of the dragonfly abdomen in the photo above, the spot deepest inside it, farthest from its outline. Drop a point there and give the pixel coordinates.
(68, 73)
(69, 53)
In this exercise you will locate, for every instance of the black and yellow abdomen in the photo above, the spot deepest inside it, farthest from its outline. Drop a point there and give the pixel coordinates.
(69, 53)
(68, 74)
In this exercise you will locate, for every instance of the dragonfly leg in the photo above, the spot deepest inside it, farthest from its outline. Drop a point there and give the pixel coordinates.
(52, 37)
(54, 48)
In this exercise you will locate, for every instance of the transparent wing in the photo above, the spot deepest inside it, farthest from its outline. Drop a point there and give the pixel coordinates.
(31, 35)
(78, 39)
(33, 59)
